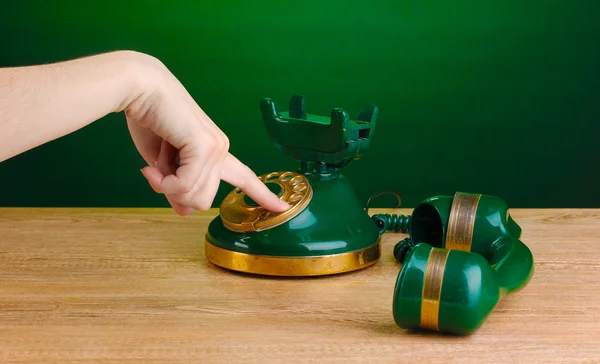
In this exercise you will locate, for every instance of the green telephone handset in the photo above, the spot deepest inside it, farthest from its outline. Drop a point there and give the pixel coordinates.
(463, 255)
(311, 238)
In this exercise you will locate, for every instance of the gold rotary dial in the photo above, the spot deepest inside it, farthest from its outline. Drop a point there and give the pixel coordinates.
(240, 214)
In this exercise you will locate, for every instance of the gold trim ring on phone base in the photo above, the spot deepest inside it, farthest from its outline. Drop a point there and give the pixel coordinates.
(293, 266)
(239, 213)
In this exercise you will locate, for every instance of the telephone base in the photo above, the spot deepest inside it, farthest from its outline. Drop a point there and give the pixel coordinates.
(331, 234)
(293, 266)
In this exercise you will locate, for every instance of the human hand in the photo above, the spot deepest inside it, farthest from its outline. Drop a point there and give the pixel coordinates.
(187, 154)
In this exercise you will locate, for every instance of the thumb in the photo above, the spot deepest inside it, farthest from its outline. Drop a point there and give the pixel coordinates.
(239, 175)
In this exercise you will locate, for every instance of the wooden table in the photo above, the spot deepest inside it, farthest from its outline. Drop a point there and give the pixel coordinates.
(132, 285)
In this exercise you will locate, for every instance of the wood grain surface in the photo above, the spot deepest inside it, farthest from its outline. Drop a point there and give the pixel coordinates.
(132, 285)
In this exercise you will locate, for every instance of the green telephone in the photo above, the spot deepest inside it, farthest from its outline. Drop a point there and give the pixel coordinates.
(462, 255)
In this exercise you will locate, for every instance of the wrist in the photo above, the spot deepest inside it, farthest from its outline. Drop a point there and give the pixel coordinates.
(140, 75)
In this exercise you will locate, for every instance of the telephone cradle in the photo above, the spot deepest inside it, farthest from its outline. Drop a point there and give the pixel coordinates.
(463, 253)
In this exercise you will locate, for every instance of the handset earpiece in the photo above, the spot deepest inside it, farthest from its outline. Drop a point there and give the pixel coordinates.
(444, 290)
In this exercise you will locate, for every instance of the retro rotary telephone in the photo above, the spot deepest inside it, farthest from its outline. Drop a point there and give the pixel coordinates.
(313, 237)
(463, 255)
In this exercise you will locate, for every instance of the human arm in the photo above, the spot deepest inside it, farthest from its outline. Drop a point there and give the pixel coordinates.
(45, 102)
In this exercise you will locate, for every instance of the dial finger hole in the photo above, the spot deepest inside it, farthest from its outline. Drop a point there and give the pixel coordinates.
(300, 187)
(295, 197)
(296, 180)
(237, 190)
(272, 176)
(286, 176)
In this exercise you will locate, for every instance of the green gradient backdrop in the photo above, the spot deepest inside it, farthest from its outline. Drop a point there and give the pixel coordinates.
(499, 97)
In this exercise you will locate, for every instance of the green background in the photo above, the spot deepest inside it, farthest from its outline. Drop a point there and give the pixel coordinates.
(498, 97)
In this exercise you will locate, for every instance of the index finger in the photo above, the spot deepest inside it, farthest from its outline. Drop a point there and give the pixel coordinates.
(239, 175)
